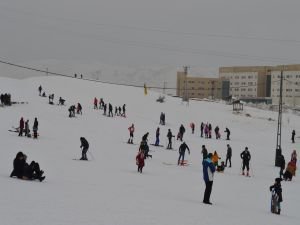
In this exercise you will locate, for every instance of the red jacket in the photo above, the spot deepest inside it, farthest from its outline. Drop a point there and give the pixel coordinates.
(140, 159)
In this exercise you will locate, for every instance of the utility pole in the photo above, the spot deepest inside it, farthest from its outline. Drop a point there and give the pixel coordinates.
(164, 89)
(278, 143)
(185, 95)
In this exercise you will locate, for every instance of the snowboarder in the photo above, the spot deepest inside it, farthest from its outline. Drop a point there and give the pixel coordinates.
(21, 126)
(157, 133)
(228, 133)
(182, 149)
(23, 170)
(170, 135)
(131, 131)
(35, 128)
(276, 196)
(192, 125)
(140, 161)
(204, 152)
(293, 136)
(85, 147)
(208, 175)
(246, 157)
(95, 103)
(228, 155)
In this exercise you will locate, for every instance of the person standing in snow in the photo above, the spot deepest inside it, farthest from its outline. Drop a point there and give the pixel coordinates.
(145, 137)
(79, 108)
(192, 125)
(228, 133)
(276, 187)
(169, 136)
(95, 103)
(281, 165)
(35, 128)
(246, 157)
(124, 110)
(140, 161)
(157, 133)
(217, 132)
(202, 128)
(293, 136)
(131, 131)
(40, 90)
(208, 175)
(204, 152)
(21, 126)
(26, 130)
(85, 147)
(228, 155)
(181, 132)
(110, 110)
(182, 149)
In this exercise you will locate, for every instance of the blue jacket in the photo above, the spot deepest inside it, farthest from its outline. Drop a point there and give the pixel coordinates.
(208, 170)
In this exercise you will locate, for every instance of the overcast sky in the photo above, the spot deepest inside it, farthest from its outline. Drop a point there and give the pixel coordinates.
(199, 33)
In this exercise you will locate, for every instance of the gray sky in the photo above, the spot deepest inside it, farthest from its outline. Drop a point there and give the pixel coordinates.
(199, 33)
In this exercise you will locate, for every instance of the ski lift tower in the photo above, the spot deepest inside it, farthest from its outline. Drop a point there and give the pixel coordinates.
(278, 143)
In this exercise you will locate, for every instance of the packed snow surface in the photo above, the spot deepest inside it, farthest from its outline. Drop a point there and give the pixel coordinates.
(108, 189)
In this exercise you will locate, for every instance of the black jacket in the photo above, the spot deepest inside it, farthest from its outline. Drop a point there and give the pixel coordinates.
(183, 147)
(245, 155)
(84, 143)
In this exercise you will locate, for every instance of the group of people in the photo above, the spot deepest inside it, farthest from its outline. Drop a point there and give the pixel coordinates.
(143, 153)
(24, 128)
(102, 105)
(206, 129)
(5, 99)
(73, 108)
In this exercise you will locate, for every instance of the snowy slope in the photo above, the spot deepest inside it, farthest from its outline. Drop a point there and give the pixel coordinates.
(107, 189)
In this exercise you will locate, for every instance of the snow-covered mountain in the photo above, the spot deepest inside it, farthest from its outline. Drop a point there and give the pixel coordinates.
(107, 189)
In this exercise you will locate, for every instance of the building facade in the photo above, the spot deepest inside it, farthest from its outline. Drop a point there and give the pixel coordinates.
(200, 87)
(290, 85)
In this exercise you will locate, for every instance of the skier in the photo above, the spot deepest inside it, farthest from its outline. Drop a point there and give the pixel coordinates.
(293, 136)
(204, 152)
(192, 125)
(157, 133)
(182, 149)
(25, 171)
(140, 161)
(208, 175)
(245, 155)
(228, 133)
(145, 137)
(21, 126)
(95, 103)
(40, 90)
(85, 147)
(131, 131)
(35, 128)
(170, 135)
(277, 191)
(202, 128)
(228, 155)
(145, 149)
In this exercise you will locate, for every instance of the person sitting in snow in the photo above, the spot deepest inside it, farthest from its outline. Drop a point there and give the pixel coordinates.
(221, 168)
(215, 158)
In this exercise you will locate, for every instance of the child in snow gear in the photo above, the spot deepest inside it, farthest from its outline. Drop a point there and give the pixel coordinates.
(228, 133)
(221, 168)
(35, 128)
(276, 196)
(85, 146)
(170, 135)
(208, 175)
(157, 133)
(293, 136)
(24, 171)
(182, 149)
(131, 131)
(140, 161)
(246, 157)
(228, 155)
(21, 126)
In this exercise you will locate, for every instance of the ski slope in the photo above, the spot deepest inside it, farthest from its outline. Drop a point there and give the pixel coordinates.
(107, 189)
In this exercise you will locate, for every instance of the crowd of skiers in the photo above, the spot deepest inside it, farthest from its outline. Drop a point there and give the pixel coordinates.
(24, 128)
(118, 110)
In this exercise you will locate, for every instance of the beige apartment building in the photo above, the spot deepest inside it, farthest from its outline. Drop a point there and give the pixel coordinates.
(199, 87)
(247, 82)
(290, 84)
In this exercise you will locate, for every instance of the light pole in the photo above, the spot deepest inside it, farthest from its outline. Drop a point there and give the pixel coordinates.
(278, 143)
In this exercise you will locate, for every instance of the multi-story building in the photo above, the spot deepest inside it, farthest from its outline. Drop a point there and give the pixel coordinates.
(290, 84)
(200, 87)
(248, 81)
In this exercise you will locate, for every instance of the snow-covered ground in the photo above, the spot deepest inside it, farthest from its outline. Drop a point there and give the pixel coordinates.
(108, 189)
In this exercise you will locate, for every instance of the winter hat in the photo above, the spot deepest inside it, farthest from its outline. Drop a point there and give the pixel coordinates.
(246, 148)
